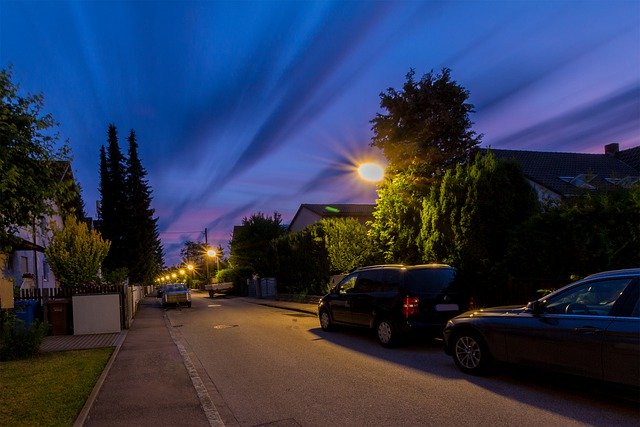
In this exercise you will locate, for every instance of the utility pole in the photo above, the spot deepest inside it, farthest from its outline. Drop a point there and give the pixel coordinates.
(206, 257)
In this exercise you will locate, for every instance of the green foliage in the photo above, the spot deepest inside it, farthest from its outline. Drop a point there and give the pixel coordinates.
(75, 253)
(396, 223)
(117, 276)
(348, 244)
(579, 236)
(238, 276)
(467, 221)
(17, 339)
(31, 167)
(250, 242)
(301, 261)
(426, 129)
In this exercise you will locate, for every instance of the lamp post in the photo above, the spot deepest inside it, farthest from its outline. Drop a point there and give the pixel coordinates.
(212, 254)
(190, 268)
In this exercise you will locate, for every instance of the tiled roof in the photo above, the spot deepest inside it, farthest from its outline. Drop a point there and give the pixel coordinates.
(340, 209)
(631, 157)
(548, 169)
(361, 212)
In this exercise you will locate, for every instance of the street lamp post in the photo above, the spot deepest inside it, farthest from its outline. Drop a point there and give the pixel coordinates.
(211, 254)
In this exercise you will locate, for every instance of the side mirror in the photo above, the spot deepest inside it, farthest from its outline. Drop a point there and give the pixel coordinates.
(535, 307)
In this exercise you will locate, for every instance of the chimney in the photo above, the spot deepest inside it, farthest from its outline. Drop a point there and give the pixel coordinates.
(612, 149)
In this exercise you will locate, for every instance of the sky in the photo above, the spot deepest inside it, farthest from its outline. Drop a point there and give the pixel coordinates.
(242, 107)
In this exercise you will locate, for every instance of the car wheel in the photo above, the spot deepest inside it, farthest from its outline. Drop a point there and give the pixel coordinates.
(325, 321)
(386, 333)
(470, 353)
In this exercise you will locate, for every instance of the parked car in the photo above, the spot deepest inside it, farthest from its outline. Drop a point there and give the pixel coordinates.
(395, 300)
(176, 294)
(589, 328)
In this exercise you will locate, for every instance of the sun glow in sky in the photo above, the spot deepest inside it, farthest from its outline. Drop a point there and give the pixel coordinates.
(259, 106)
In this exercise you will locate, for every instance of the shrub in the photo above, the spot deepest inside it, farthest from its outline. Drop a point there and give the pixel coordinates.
(238, 276)
(19, 340)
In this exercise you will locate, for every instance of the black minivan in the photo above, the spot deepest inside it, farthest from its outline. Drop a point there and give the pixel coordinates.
(395, 300)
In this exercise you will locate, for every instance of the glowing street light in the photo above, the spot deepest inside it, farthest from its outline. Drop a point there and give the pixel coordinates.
(371, 172)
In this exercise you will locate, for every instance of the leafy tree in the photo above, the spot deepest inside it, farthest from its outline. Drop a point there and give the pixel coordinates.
(300, 261)
(114, 212)
(142, 237)
(347, 243)
(75, 253)
(424, 131)
(396, 220)
(467, 221)
(250, 242)
(29, 160)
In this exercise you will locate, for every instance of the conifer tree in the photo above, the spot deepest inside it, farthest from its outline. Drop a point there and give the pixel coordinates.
(142, 238)
(113, 210)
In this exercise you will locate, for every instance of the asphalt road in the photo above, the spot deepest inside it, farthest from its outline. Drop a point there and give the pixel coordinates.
(268, 366)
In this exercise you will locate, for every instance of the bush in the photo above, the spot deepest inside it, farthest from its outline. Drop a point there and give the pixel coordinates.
(238, 276)
(19, 340)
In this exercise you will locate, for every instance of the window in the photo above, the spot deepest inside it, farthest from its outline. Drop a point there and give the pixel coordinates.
(580, 181)
(45, 271)
(392, 279)
(592, 298)
(347, 284)
(369, 281)
(24, 264)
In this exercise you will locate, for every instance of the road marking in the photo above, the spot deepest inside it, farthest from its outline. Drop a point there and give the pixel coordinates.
(214, 305)
(210, 411)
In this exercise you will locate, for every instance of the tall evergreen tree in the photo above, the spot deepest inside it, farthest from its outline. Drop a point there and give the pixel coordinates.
(114, 212)
(142, 237)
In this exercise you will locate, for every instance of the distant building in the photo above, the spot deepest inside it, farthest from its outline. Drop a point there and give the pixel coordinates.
(308, 214)
(556, 176)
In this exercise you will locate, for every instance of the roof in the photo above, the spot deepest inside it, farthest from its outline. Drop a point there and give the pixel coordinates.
(361, 212)
(339, 209)
(570, 174)
(631, 157)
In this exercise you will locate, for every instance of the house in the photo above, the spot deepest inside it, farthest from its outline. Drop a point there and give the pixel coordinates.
(308, 214)
(556, 176)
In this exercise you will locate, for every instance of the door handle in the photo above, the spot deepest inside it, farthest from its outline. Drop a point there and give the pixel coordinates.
(588, 330)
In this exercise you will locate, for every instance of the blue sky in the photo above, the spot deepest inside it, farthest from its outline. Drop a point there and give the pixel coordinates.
(243, 107)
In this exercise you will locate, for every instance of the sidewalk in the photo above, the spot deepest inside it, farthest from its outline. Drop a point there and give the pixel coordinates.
(146, 381)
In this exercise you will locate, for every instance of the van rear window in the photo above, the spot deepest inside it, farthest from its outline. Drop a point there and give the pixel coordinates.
(431, 280)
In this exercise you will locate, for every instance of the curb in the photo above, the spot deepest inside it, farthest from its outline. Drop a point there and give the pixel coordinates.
(82, 416)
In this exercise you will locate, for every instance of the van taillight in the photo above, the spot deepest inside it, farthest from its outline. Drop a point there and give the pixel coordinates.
(410, 306)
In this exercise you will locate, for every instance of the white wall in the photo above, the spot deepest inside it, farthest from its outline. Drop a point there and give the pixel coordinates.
(96, 314)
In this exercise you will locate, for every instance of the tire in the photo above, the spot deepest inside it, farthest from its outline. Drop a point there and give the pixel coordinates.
(325, 321)
(470, 353)
(386, 333)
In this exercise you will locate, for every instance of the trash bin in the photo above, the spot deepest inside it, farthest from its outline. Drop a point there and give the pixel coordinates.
(25, 310)
(59, 316)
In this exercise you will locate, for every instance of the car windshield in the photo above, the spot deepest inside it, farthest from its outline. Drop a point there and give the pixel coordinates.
(175, 288)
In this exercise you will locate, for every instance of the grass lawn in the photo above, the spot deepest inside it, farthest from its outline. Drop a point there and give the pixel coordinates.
(49, 389)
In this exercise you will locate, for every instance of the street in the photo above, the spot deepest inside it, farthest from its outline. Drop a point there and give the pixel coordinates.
(269, 366)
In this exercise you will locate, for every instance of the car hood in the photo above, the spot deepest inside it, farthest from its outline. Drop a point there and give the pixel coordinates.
(494, 311)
